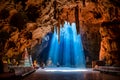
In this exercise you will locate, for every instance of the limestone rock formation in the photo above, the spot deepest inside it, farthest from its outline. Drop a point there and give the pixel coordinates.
(110, 48)
(29, 20)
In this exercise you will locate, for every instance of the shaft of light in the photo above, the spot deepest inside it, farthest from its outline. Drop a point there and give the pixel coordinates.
(69, 52)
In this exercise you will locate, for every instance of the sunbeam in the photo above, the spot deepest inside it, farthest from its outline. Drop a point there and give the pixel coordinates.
(69, 52)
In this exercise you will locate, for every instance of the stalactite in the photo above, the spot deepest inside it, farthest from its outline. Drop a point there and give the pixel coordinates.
(84, 3)
(58, 31)
(56, 28)
(77, 18)
(62, 22)
(57, 18)
(67, 17)
(52, 29)
(55, 8)
(70, 23)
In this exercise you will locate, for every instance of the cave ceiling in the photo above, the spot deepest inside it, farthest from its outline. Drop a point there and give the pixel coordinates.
(23, 23)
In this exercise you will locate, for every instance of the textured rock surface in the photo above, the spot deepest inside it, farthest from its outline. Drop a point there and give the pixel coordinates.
(28, 21)
(110, 49)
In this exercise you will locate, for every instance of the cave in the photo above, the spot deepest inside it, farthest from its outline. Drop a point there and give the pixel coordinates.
(76, 38)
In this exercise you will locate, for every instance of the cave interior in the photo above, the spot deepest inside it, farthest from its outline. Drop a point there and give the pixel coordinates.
(42, 31)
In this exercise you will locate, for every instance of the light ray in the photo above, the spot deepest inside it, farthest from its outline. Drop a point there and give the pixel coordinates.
(69, 52)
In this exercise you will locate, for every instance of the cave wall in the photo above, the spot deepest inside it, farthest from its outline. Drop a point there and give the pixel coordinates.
(110, 45)
(22, 24)
(35, 18)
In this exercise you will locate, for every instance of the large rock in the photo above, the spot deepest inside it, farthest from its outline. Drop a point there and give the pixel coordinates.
(110, 47)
